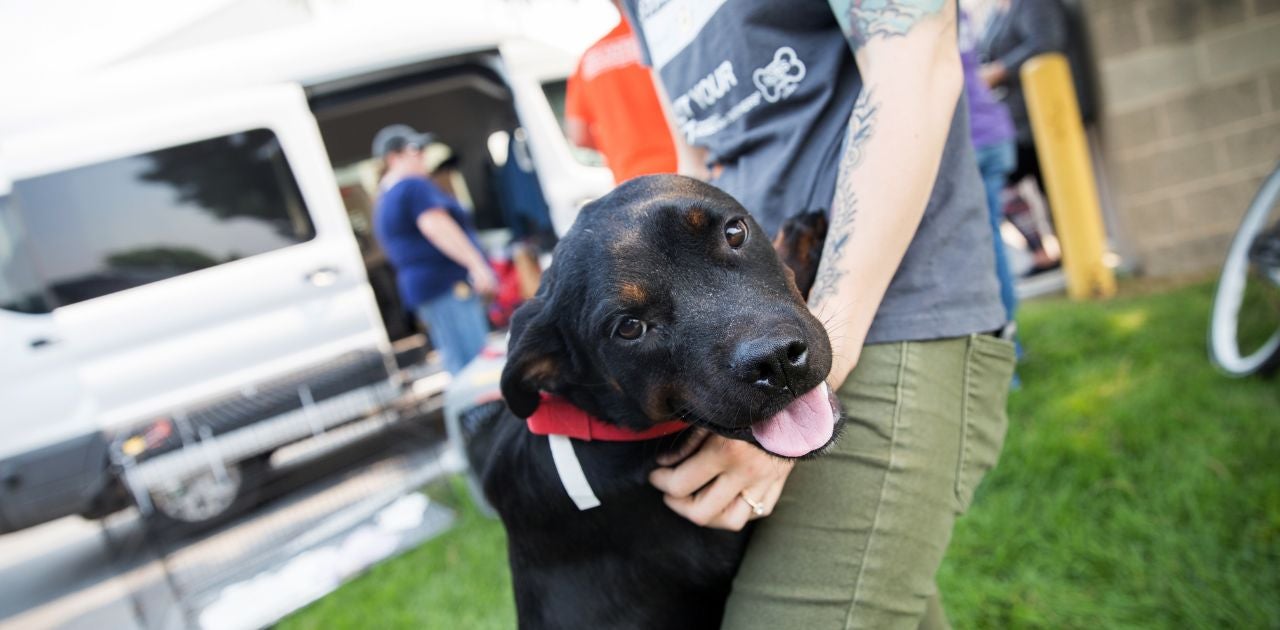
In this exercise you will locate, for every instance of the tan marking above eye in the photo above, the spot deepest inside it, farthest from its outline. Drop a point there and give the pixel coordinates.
(696, 218)
(632, 293)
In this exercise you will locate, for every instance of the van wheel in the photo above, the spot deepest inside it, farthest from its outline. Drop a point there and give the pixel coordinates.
(208, 497)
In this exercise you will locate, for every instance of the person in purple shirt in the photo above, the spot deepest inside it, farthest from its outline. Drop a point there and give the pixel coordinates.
(992, 131)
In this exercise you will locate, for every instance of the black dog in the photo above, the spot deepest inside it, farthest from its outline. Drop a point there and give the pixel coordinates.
(665, 301)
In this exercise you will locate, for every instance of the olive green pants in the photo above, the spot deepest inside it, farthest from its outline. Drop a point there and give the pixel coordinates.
(858, 534)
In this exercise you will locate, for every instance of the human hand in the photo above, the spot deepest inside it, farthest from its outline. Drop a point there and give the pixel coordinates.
(709, 486)
(483, 280)
(993, 73)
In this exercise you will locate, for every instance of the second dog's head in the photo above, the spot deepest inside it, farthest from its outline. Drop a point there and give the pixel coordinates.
(666, 300)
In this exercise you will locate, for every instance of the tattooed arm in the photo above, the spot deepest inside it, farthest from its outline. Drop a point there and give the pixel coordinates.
(910, 65)
(906, 52)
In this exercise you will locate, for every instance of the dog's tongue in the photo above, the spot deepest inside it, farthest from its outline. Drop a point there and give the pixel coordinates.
(803, 427)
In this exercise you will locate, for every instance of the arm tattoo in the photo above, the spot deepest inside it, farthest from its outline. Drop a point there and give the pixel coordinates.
(845, 204)
(864, 20)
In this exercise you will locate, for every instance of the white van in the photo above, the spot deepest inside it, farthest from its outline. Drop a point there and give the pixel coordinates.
(181, 289)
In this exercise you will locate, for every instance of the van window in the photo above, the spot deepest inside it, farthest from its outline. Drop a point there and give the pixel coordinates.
(555, 91)
(20, 287)
(115, 225)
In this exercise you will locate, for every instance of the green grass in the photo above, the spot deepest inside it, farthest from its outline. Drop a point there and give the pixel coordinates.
(458, 580)
(1138, 488)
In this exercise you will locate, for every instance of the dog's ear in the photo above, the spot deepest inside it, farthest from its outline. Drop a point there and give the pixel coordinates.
(799, 244)
(535, 356)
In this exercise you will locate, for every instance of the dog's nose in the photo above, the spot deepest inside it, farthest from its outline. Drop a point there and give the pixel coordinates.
(771, 363)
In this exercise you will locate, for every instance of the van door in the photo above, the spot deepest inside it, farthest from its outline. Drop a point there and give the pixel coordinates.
(193, 261)
(37, 371)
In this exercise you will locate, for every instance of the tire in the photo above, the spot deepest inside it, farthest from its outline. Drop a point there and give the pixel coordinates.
(1241, 344)
(207, 498)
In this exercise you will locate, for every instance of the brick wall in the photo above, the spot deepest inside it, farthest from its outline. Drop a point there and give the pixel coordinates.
(1191, 120)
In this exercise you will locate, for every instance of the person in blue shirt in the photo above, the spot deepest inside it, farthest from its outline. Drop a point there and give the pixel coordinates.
(429, 240)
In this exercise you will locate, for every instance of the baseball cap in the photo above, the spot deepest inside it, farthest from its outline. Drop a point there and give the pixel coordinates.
(394, 138)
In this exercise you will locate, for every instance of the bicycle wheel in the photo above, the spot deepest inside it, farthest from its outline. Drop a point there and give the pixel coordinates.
(1244, 334)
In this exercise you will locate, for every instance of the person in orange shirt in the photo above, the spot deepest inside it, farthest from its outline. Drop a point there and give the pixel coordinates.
(611, 106)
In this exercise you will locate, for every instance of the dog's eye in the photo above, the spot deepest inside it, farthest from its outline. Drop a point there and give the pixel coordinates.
(735, 233)
(630, 328)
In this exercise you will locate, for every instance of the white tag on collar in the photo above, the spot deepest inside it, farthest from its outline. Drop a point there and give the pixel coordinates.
(571, 474)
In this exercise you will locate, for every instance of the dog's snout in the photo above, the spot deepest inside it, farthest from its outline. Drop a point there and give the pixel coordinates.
(771, 363)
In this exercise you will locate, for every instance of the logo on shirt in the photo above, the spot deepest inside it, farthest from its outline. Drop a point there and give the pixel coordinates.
(706, 91)
(778, 80)
(647, 8)
(610, 55)
(693, 110)
(669, 26)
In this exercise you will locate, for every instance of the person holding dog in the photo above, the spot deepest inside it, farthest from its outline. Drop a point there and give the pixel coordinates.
(856, 106)
(429, 240)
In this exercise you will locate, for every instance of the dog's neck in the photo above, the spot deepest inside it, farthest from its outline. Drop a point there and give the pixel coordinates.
(605, 405)
(563, 423)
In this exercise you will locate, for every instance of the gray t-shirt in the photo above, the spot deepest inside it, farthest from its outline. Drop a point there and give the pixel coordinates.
(767, 87)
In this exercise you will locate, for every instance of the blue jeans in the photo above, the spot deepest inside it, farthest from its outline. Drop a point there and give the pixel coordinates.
(995, 163)
(457, 326)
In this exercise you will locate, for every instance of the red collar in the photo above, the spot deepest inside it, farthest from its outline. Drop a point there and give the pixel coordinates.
(557, 416)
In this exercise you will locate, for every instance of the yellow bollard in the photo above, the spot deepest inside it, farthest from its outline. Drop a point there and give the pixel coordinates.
(1068, 175)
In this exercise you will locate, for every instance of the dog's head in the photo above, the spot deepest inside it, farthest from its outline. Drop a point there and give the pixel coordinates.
(666, 300)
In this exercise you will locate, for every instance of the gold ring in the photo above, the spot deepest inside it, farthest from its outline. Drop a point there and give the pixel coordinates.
(757, 508)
